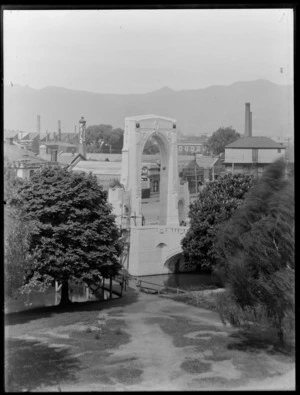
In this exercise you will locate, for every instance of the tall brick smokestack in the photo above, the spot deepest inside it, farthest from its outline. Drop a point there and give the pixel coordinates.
(82, 144)
(247, 120)
(38, 124)
(250, 124)
(59, 131)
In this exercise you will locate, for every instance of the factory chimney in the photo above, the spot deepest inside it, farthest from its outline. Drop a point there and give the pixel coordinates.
(59, 131)
(248, 121)
(38, 124)
(82, 144)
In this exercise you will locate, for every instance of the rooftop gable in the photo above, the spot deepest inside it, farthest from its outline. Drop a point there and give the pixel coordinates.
(255, 142)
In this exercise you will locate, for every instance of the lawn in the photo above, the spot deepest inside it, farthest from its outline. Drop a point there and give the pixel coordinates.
(50, 345)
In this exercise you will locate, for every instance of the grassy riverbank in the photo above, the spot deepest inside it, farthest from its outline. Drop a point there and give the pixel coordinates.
(206, 299)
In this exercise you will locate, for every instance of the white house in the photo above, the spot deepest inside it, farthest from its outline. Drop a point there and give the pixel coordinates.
(252, 154)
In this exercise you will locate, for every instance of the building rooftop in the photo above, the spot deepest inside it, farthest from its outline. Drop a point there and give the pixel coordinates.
(10, 134)
(254, 142)
(16, 153)
(99, 168)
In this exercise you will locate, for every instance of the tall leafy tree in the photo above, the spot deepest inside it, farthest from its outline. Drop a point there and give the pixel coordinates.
(256, 252)
(103, 138)
(215, 204)
(220, 138)
(75, 237)
(15, 235)
(16, 254)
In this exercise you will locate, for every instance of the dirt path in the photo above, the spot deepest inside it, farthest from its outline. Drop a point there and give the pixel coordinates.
(172, 346)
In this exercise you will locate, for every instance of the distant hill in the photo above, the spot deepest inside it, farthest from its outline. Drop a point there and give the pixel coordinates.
(197, 111)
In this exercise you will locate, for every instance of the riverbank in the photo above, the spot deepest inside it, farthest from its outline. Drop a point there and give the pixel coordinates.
(138, 343)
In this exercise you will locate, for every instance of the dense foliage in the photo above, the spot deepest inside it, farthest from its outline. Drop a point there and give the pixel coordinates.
(103, 138)
(215, 204)
(220, 138)
(256, 254)
(16, 258)
(75, 236)
(15, 235)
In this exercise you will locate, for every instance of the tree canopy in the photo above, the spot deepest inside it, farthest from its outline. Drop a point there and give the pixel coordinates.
(75, 236)
(256, 251)
(220, 138)
(215, 204)
(103, 138)
(16, 233)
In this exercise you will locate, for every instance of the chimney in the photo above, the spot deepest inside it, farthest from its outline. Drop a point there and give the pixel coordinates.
(59, 131)
(38, 124)
(54, 156)
(250, 124)
(247, 120)
(82, 145)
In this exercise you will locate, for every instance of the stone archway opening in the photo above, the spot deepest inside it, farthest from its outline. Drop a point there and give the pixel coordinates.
(175, 263)
(154, 176)
(150, 180)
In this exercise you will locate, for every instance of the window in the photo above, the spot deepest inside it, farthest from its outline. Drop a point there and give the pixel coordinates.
(192, 149)
(31, 173)
(180, 148)
(198, 148)
(186, 148)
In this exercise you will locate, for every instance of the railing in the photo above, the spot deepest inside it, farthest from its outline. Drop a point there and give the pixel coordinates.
(162, 288)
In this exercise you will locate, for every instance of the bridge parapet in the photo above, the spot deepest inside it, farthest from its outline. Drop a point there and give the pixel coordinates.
(151, 245)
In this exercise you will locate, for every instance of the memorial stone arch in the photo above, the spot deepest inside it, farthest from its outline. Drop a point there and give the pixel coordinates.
(137, 131)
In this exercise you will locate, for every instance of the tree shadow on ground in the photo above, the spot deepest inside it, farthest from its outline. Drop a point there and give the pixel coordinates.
(30, 364)
(258, 339)
(130, 296)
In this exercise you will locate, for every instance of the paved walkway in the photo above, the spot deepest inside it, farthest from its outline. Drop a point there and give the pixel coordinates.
(174, 346)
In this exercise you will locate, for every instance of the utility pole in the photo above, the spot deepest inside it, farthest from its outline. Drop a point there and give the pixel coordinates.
(196, 183)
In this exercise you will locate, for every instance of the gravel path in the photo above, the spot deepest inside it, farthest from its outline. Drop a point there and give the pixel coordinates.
(174, 346)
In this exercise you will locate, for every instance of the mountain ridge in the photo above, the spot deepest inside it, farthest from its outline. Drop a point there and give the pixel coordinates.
(197, 111)
(162, 89)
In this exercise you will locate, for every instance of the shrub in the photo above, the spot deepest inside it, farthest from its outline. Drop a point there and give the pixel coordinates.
(256, 255)
(215, 204)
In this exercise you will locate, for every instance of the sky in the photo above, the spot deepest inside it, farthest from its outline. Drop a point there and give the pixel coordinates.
(140, 51)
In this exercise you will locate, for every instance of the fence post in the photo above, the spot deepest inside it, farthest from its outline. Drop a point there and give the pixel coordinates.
(110, 287)
(103, 291)
(87, 292)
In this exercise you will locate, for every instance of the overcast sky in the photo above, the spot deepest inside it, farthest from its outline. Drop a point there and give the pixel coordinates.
(139, 51)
